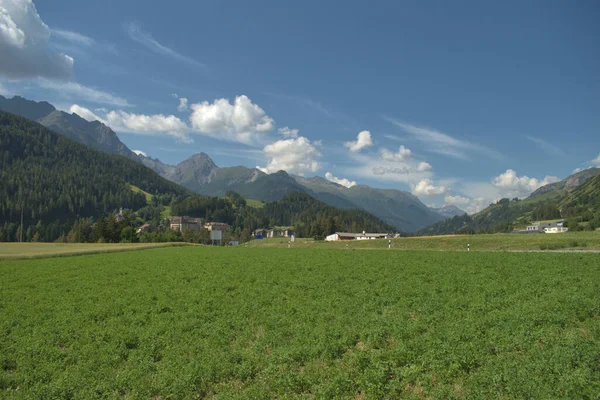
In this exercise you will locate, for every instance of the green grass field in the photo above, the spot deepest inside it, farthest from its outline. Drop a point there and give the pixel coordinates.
(43, 250)
(250, 323)
(495, 242)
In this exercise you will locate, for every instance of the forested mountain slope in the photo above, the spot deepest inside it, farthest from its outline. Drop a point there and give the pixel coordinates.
(56, 180)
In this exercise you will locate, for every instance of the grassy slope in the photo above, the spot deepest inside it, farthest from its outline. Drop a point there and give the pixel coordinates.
(501, 242)
(292, 324)
(136, 189)
(255, 203)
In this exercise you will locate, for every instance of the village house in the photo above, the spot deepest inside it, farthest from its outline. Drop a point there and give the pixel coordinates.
(143, 228)
(216, 226)
(356, 236)
(184, 223)
(282, 232)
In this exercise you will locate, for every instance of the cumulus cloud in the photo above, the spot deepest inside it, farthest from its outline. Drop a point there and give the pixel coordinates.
(183, 104)
(149, 124)
(340, 181)
(294, 155)
(122, 121)
(426, 188)
(403, 154)
(140, 153)
(242, 121)
(456, 200)
(287, 132)
(24, 44)
(363, 140)
(596, 161)
(513, 185)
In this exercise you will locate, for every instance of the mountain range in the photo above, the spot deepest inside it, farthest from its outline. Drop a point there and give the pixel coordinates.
(200, 174)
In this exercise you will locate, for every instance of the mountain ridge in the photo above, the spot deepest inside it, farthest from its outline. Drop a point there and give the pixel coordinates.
(91, 133)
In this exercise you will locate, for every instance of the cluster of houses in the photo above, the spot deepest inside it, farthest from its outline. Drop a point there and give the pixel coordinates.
(181, 224)
(546, 227)
(273, 233)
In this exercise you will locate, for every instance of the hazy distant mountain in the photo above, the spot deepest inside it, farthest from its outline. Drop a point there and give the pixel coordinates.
(399, 208)
(94, 134)
(448, 211)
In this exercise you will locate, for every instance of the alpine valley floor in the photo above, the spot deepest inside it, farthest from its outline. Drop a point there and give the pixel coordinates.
(239, 323)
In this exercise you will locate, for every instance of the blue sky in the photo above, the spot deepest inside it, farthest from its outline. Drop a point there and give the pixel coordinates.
(462, 102)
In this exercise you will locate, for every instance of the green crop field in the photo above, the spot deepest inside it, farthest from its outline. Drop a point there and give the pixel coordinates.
(495, 242)
(251, 323)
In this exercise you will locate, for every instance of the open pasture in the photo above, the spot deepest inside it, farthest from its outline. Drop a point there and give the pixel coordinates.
(492, 242)
(237, 323)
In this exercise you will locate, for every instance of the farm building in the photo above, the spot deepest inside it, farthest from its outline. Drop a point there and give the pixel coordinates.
(356, 236)
(539, 226)
(184, 223)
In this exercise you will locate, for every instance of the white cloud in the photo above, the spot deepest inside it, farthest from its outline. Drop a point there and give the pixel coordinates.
(75, 90)
(596, 161)
(456, 200)
(241, 121)
(24, 44)
(340, 181)
(140, 153)
(122, 121)
(512, 185)
(363, 140)
(546, 147)
(85, 113)
(294, 155)
(287, 132)
(183, 104)
(135, 32)
(403, 154)
(426, 188)
(442, 143)
(149, 124)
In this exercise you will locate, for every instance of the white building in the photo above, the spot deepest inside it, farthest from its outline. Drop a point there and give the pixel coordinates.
(556, 229)
(356, 236)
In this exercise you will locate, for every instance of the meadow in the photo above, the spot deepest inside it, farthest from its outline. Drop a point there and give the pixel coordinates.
(492, 242)
(251, 323)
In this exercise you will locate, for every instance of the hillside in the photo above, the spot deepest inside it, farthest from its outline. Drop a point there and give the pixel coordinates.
(57, 180)
(94, 134)
(576, 198)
